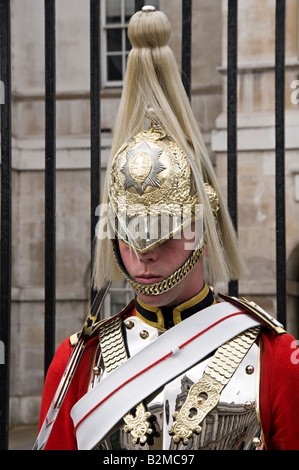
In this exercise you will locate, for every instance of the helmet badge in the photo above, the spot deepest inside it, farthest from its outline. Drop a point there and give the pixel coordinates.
(142, 167)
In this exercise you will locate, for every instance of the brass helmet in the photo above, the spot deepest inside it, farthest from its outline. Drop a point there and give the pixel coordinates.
(152, 197)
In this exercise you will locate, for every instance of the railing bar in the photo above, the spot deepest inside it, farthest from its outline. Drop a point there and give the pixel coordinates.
(186, 45)
(232, 76)
(280, 160)
(50, 183)
(95, 124)
(5, 290)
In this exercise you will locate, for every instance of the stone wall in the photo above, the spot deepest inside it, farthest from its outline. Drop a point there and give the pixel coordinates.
(256, 149)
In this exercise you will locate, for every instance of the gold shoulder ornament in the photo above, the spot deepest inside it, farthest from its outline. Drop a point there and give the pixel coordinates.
(101, 324)
(257, 311)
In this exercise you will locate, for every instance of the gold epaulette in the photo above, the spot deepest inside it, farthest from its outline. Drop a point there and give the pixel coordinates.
(256, 311)
(98, 325)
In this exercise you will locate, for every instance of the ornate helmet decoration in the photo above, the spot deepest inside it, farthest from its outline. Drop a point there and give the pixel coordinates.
(152, 198)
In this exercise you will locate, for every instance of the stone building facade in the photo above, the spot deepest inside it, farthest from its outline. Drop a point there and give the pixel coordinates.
(256, 162)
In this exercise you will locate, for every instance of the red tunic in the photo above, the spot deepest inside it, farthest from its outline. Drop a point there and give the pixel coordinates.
(279, 387)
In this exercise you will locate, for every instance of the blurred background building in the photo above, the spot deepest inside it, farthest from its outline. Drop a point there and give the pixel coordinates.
(256, 157)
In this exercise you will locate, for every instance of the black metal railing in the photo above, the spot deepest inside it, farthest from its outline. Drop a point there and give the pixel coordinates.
(232, 111)
(280, 160)
(95, 161)
(6, 218)
(50, 183)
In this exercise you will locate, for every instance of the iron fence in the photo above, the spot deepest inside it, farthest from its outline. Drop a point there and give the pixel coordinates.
(95, 162)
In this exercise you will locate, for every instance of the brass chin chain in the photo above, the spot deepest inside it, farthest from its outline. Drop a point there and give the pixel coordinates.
(168, 283)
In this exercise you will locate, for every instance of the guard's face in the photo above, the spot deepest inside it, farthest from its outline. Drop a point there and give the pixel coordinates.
(159, 263)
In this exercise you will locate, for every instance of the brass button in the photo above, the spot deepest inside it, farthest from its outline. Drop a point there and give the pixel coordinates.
(144, 334)
(97, 370)
(129, 324)
(248, 405)
(256, 442)
(249, 370)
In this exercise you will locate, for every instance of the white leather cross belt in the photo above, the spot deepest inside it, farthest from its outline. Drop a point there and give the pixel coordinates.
(179, 348)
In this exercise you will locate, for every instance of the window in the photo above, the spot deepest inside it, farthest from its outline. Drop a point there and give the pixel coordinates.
(118, 297)
(115, 43)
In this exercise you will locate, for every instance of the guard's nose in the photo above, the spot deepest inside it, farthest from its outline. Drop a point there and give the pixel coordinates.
(149, 256)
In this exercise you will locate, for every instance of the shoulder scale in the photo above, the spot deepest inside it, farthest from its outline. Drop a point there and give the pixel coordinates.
(102, 323)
